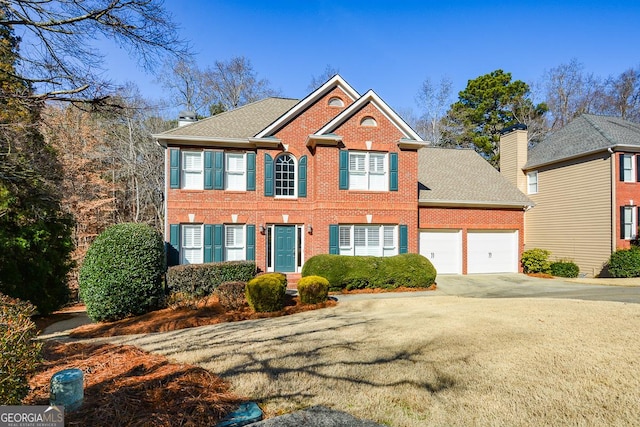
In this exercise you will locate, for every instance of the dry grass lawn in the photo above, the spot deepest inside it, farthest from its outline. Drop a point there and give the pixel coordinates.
(431, 361)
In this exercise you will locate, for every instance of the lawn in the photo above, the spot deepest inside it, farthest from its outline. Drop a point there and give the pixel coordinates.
(431, 361)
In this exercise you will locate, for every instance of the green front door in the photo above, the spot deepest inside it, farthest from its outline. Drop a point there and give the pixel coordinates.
(285, 246)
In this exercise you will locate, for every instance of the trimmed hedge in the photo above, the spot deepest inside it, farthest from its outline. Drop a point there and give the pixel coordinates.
(359, 272)
(536, 261)
(313, 289)
(625, 263)
(265, 293)
(565, 269)
(203, 279)
(19, 352)
(122, 273)
(231, 295)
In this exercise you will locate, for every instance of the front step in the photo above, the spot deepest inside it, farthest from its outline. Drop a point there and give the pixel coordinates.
(292, 280)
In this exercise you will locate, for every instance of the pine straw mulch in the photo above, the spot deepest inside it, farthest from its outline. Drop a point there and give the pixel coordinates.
(127, 386)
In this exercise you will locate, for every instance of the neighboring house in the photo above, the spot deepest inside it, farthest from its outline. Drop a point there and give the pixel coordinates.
(471, 218)
(585, 182)
(280, 180)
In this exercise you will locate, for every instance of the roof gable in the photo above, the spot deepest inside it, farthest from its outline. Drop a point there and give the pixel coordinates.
(461, 177)
(584, 135)
(313, 97)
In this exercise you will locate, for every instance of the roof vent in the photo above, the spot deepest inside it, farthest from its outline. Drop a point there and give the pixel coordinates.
(186, 117)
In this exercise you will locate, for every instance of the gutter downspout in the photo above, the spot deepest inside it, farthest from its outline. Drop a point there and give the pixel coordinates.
(612, 159)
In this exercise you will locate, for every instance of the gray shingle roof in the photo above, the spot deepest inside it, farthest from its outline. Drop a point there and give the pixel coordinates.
(463, 177)
(243, 122)
(585, 134)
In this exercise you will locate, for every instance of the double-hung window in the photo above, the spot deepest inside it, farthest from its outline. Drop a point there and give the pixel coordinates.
(235, 172)
(626, 168)
(368, 171)
(375, 240)
(234, 243)
(532, 182)
(628, 222)
(191, 244)
(192, 177)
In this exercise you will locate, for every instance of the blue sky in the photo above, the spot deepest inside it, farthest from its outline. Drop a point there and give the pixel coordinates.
(392, 46)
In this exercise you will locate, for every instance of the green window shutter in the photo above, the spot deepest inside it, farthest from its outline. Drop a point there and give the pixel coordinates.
(251, 171)
(251, 242)
(638, 168)
(344, 170)
(621, 166)
(173, 248)
(208, 243)
(334, 247)
(404, 239)
(393, 171)
(302, 177)
(208, 170)
(174, 167)
(218, 170)
(218, 243)
(268, 175)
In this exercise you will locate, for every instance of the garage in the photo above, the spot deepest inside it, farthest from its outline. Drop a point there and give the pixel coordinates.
(444, 249)
(491, 251)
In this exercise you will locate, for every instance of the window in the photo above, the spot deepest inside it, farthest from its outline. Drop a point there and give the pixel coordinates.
(192, 170)
(376, 240)
(336, 102)
(285, 180)
(626, 168)
(532, 182)
(234, 243)
(628, 221)
(368, 171)
(191, 244)
(235, 172)
(368, 121)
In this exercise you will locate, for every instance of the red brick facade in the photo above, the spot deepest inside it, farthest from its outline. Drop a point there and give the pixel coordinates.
(627, 194)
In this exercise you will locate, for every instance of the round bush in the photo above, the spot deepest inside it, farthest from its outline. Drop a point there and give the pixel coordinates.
(536, 261)
(565, 269)
(265, 293)
(231, 295)
(625, 263)
(122, 273)
(313, 289)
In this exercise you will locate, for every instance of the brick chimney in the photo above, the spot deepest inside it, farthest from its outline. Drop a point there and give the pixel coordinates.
(513, 155)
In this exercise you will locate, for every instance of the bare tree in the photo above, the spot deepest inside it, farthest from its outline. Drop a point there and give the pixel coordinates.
(234, 83)
(317, 81)
(187, 86)
(623, 95)
(434, 100)
(58, 56)
(571, 92)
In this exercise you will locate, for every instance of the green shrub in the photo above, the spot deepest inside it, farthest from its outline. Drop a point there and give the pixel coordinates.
(313, 289)
(203, 279)
(536, 261)
(625, 263)
(357, 272)
(265, 293)
(122, 273)
(565, 269)
(231, 295)
(19, 353)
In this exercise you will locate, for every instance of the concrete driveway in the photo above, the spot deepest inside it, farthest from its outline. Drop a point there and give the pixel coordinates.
(523, 286)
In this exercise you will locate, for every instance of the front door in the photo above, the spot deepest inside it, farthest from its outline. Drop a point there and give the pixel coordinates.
(285, 248)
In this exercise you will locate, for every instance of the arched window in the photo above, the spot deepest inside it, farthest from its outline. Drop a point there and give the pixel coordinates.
(336, 102)
(368, 121)
(285, 179)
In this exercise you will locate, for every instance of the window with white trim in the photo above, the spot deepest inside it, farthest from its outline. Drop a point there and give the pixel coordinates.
(191, 250)
(192, 175)
(375, 240)
(532, 182)
(235, 172)
(627, 168)
(629, 221)
(368, 171)
(285, 177)
(234, 243)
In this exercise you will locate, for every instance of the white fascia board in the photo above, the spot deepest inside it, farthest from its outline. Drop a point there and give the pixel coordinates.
(382, 106)
(327, 140)
(335, 81)
(164, 140)
(475, 203)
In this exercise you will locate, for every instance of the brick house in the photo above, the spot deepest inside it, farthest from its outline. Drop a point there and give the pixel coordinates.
(585, 182)
(280, 180)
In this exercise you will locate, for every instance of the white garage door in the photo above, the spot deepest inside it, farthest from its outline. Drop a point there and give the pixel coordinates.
(444, 249)
(492, 251)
